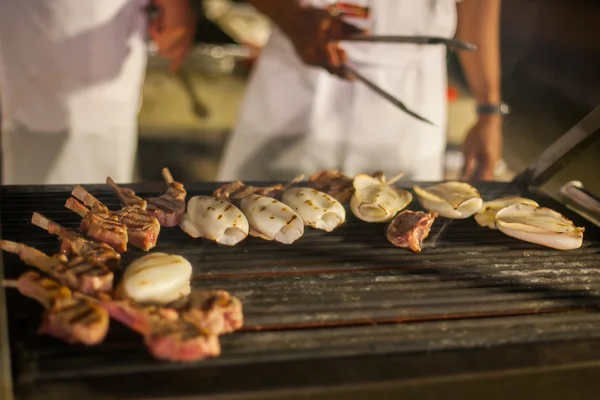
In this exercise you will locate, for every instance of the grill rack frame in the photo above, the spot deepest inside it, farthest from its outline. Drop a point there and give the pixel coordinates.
(273, 377)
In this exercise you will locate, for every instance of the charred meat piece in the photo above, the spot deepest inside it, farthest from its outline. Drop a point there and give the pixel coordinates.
(142, 227)
(215, 312)
(76, 274)
(169, 207)
(75, 245)
(334, 183)
(408, 229)
(181, 341)
(236, 191)
(167, 336)
(74, 320)
(100, 226)
(127, 196)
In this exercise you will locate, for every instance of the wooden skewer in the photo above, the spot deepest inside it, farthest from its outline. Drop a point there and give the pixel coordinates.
(167, 175)
(9, 283)
(396, 178)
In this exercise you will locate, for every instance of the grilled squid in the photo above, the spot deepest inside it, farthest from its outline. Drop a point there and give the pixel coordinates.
(157, 278)
(539, 225)
(486, 216)
(317, 209)
(455, 200)
(214, 219)
(376, 200)
(271, 219)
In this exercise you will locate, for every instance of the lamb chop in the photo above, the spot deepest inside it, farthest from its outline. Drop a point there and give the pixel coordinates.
(127, 196)
(169, 207)
(142, 227)
(167, 336)
(215, 312)
(238, 190)
(76, 246)
(408, 229)
(100, 226)
(334, 183)
(74, 320)
(77, 274)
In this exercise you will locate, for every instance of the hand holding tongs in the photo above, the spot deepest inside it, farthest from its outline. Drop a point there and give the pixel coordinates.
(422, 40)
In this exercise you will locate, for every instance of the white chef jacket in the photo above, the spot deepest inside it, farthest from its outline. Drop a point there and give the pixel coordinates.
(71, 73)
(299, 119)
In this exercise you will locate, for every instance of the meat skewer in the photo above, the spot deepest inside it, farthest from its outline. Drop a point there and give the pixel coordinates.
(167, 336)
(74, 320)
(409, 229)
(142, 227)
(214, 311)
(78, 275)
(100, 226)
(127, 196)
(334, 183)
(169, 207)
(75, 245)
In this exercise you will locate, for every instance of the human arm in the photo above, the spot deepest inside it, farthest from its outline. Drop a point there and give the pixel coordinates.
(479, 23)
(173, 30)
(313, 32)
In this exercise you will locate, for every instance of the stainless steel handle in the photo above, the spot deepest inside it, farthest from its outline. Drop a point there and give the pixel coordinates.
(580, 200)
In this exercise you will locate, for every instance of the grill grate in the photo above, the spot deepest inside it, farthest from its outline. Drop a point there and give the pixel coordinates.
(331, 295)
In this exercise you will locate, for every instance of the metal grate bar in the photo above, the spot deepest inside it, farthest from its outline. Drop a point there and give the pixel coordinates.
(341, 294)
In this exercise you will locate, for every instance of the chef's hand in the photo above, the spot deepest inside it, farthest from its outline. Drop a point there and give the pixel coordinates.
(314, 34)
(173, 30)
(482, 149)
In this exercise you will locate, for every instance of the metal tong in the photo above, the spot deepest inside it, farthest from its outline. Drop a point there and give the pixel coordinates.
(455, 44)
(421, 40)
(389, 97)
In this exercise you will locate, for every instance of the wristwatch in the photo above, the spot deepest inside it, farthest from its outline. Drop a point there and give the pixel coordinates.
(497, 109)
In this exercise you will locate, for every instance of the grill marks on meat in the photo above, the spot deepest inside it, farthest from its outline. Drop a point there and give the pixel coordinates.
(141, 227)
(236, 191)
(166, 334)
(169, 207)
(75, 246)
(181, 341)
(74, 320)
(127, 196)
(100, 226)
(215, 312)
(334, 183)
(409, 229)
(77, 274)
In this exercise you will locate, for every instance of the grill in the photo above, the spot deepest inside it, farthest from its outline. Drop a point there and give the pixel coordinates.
(346, 294)
(332, 310)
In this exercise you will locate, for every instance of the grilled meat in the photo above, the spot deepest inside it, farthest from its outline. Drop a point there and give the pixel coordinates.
(334, 183)
(236, 191)
(215, 312)
(408, 229)
(182, 342)
(169, 207)
(142, 227)
(167, 336)
(77, 274)
(100, 226)
(76, 246)
(74, 320)
(127, 196)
